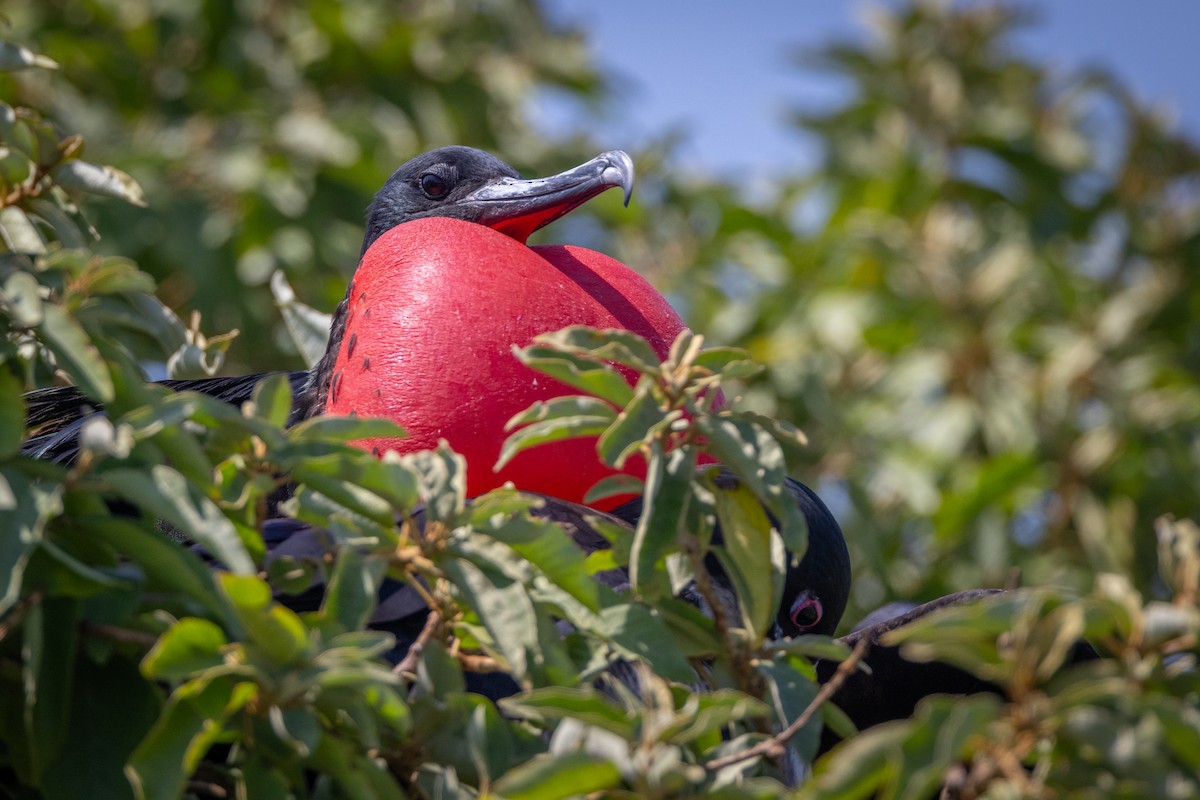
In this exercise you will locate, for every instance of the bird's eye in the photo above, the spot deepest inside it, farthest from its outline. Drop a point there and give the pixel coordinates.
(434, 186)
(806, 612)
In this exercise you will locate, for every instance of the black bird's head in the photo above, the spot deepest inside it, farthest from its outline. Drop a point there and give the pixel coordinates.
(474, 186)
(817, 587)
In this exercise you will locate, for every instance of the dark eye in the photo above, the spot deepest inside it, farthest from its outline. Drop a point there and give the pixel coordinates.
(806, 612)
(434, 186)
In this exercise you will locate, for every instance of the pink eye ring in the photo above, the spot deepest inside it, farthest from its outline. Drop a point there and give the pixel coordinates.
(806, 612)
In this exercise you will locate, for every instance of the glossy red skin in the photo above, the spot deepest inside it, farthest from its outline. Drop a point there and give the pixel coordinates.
(435, 307)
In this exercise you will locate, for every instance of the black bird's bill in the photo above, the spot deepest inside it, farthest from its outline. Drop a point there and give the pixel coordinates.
(517, 207)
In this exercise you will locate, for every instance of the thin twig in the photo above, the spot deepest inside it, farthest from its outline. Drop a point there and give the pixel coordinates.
(474, 663)
(122, 635)
(206, 789)
(774, 746)
(17, 615)
(409, 662)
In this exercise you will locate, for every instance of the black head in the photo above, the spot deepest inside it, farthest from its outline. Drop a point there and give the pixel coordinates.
(817, 586)
(471, 185)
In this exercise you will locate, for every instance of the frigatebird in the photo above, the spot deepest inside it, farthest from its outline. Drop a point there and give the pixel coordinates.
(466, 185)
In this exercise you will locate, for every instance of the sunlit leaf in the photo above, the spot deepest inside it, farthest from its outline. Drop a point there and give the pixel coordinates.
(98, 179)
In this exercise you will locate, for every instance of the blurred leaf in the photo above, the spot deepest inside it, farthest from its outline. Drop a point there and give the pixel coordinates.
(23, 516)
(582, 703)
(97, 179)
(19, 233)
(553, 777)
(272, 399)
(188, 726)
(308, 327)
(22, 298)
(15, 57)
(351, 595)
(75, 353)
(191, 645)
(168, 494)
(12, 414)
(48, 661)
(273, 628)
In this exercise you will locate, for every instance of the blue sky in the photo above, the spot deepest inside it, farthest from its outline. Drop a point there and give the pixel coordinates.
(722, 71)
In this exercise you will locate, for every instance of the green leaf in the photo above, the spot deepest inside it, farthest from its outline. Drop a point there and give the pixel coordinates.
(308, 327)
(812, 646)
(168, 566)
(789, 693)
(351, 596)
(167, 494)
(614, 486)
(190, 723)
(359, 775)
(23, 517)
(636, 423)
(442, 474)
(553, 420)
(347, 475)
(98, 179)
(712, 711)
(543, 544)
(692, 631)
(506, 611)
(261, 782)
(583, 703)
(65, 229)
(344, 429)
(756, 458)
(112, 709)
(48, 666)
(12, 414)
(551, 777)
(325, 476)
(56, 571)
(19, 233)
(272, 399)
(189, 646)
(668, 489)
(940, 740)
(859, 767)
(730, 362)
(274, 629)
(22, 297)
(595, 378)
(610, 344)
(297, 727)
(642, 632)
(75, 353)
(289, 575)
(757, 573)
(489, 741)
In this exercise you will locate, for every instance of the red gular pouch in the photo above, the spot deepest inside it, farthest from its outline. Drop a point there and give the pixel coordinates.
(434, 311)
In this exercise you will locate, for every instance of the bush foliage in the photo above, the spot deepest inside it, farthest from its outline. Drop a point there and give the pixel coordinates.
(980, 306)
